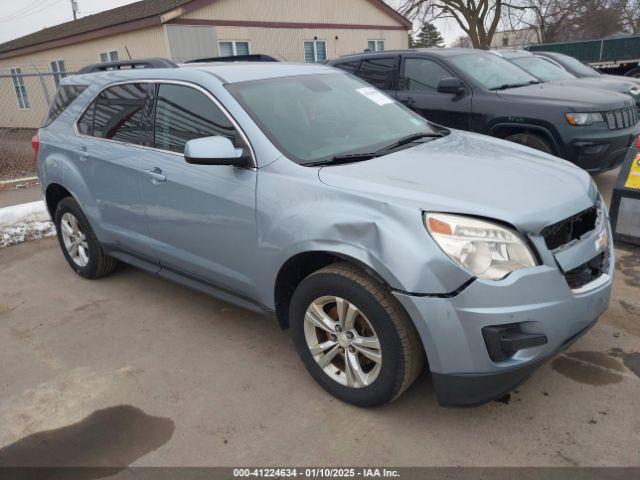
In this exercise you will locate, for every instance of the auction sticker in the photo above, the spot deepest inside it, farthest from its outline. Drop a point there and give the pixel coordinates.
(633, 180)
(375, 96)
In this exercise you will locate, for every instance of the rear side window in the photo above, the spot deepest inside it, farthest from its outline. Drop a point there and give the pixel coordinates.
(379, 72)
(116, 114)
(350, 67)
(183, 114)
(65, 96)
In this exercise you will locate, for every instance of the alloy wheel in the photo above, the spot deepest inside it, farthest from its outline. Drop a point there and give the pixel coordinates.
(342, 341)
(75, 241)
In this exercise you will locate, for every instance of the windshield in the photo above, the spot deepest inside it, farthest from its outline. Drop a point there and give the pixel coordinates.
(313, 118)
(542, 69)
(577, 66)
(492, 71)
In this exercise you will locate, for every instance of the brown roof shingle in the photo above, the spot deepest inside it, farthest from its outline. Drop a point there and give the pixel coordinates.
(116, 16)
(142, 11)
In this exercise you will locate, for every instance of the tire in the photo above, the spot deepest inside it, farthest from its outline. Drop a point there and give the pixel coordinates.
(380, 316)
(94, 262)
(531, 140)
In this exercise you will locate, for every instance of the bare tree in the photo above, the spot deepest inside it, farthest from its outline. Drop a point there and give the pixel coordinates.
(631, 16)
(462, 41)
(479, 19)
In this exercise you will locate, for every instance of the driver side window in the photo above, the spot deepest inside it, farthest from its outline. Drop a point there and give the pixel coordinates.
(184, 113)
(421, 75)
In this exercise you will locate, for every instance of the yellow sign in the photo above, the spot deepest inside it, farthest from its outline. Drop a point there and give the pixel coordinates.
(633, 180)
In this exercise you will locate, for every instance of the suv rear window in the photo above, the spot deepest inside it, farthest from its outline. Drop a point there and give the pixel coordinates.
(116, 114)
(379, 72)
(65, 96)
(350, 67)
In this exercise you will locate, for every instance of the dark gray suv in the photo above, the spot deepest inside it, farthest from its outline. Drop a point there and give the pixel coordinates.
(478, 91)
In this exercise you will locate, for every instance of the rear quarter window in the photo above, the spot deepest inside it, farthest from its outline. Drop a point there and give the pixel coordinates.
(65, 96)
(379, 72)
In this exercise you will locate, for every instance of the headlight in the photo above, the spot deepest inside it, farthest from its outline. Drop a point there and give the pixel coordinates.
(486, 249)
(582, 119)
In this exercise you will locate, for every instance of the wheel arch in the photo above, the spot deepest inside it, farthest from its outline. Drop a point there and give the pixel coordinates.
(54, 193)
(301, 265)
(506, 129)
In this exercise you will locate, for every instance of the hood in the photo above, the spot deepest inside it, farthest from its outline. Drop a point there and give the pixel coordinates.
(571, 97)
(615, 85)
(473, 174)
(634, 80)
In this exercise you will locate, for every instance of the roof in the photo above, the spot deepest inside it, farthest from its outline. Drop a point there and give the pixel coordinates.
(442, 52)
(224, 72)
(141, 14)
(108, 18)
(512, 53)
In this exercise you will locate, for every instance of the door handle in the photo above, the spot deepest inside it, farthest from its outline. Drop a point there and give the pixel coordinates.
(156, 175)
(409, 101)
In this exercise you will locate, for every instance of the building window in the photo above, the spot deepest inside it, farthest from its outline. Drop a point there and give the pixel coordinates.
(111, 56)
(505, 41)
(59, 71)
(315, 51)
(233, 48)
(21, 90)
(375, 45)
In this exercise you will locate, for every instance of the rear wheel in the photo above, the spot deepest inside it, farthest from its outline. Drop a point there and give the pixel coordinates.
(354, 338)
(79, 244)
(531, 140)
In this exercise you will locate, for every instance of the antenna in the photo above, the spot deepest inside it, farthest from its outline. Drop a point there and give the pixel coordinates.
(74, 6)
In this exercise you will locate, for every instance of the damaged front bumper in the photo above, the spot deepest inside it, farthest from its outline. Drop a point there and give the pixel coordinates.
(488, 338)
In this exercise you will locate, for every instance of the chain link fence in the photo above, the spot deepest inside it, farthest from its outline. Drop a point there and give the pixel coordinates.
(24, 102)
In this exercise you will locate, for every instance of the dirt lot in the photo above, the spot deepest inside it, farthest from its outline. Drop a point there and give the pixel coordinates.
(16, 154)
(135, 370)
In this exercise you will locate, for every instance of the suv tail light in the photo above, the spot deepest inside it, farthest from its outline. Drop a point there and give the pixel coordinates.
(638, 142)
(35, 143)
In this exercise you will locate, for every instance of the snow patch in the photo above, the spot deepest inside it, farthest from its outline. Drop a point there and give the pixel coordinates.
(25, 222)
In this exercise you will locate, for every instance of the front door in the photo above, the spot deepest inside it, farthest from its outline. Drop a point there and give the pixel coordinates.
(418, 90)
(201, 218)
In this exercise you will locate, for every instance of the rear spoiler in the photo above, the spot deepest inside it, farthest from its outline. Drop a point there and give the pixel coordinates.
(129, 65)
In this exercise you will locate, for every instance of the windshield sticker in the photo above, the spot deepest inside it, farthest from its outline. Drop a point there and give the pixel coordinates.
(375, 96)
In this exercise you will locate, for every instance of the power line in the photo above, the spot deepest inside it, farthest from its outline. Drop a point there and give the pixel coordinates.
(28, 7)
(27, 11)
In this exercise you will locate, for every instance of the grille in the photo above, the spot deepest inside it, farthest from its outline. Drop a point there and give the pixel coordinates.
(571, 228)
(588, 272)
(622, 118)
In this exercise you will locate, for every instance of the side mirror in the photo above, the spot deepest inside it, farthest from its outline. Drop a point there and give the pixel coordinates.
(450, 85)
(215, 151)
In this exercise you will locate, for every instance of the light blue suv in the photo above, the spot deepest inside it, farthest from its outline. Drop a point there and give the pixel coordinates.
(299, 191)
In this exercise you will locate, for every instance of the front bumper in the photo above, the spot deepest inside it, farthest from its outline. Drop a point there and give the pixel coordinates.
(537, 299)
(597, 151)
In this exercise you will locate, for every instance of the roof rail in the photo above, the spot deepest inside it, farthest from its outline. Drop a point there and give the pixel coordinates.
(129, 65)
(236, 58)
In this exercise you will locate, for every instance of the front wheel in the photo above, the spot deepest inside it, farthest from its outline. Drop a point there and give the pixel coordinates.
(531, 140)
(353, 337)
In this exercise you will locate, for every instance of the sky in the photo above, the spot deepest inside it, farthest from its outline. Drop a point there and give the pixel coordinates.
(21, 17)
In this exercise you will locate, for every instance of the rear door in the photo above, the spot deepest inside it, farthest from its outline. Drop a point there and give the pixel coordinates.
(418, 90)
(381, 72)
(109, 158)
(201, 218)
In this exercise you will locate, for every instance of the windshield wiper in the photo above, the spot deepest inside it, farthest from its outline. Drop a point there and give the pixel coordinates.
(410, 139)
(357, 157)
(515, 85)
(341, 159)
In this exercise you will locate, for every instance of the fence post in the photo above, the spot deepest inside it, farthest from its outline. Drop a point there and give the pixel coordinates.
(47, 98)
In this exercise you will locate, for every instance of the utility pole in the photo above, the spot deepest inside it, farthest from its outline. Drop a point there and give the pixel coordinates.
(74, 6)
